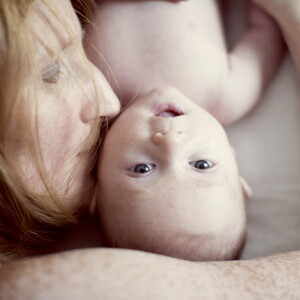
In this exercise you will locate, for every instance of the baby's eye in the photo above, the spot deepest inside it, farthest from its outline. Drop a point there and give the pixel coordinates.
(53, 73)
(142, 168)
(202, 164)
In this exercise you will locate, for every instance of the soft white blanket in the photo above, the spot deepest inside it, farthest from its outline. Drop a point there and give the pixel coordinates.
(267, 143)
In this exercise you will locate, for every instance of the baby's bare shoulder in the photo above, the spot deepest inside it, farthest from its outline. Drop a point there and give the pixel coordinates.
(149, 44)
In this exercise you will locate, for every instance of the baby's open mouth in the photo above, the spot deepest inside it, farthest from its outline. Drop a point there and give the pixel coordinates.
(168, 110)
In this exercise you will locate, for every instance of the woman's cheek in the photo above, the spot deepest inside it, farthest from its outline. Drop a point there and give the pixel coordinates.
(54, 131)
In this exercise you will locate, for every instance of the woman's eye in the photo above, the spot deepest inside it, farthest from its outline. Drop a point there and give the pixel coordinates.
(202, 164)
(142, 168)
(53, 73)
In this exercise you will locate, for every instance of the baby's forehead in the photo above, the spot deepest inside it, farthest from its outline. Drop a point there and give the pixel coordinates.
(210, 210)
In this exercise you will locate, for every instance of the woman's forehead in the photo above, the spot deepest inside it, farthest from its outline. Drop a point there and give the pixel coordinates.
(53, 24)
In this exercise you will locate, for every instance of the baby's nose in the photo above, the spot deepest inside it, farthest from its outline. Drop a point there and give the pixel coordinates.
(169, 141)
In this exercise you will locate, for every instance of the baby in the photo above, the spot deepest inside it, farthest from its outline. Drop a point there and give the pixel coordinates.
(141, 45)
(169, 180)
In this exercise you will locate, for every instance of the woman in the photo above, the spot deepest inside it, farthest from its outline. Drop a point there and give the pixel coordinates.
(49, 129)
(50, 98)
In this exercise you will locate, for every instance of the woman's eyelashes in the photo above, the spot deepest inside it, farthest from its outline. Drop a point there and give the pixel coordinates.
(53, 73)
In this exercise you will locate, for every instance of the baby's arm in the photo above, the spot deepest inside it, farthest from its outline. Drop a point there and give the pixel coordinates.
(287, 14)
(252, 64)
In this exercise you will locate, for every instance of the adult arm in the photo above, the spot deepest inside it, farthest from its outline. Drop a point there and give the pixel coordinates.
(124, 274)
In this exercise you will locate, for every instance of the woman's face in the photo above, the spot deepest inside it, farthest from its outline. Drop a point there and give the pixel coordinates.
(64, 108)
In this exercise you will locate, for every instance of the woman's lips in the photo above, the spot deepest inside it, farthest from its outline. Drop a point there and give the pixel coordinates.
(168, 110)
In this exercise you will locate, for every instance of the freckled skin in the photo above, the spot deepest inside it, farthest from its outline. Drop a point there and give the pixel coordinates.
(148, 276)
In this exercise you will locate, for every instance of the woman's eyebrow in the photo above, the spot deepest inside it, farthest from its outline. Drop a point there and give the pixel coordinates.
(64, 37)
(63, 45)
(49, 19)
(49, 50)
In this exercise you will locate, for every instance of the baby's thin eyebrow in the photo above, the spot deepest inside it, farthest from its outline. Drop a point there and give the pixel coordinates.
(209, 180)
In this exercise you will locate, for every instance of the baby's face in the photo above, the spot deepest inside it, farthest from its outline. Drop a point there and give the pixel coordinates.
(167, 173)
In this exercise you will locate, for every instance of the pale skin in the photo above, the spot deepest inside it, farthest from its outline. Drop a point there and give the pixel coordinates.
(287, 15)
(167, 189)
(183, 45)
(177, 179)
(120, 274)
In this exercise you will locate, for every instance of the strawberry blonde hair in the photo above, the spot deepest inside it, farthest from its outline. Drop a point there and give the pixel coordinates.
(27, 223)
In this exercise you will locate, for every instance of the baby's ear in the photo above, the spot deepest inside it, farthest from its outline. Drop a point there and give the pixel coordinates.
(247, 191)
(93, 204)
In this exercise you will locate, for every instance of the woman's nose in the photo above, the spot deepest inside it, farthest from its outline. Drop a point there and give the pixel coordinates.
(101, 97)
(169, 141)
(109, 103)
